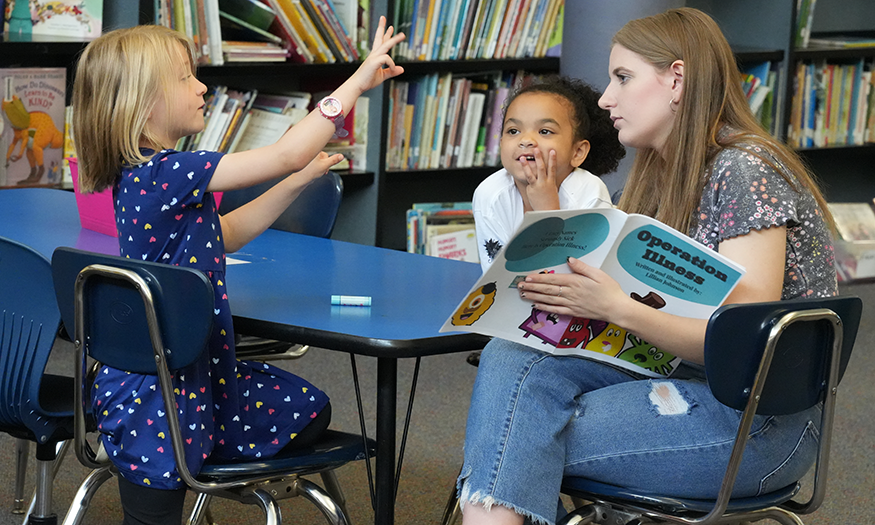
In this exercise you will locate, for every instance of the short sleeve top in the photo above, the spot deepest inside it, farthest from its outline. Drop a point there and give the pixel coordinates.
(745, 193)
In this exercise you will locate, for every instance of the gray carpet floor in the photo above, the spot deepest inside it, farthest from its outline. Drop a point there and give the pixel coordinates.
(433, 454)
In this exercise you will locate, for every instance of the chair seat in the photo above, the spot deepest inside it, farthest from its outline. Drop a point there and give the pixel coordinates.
(588, 489)
(333, 450)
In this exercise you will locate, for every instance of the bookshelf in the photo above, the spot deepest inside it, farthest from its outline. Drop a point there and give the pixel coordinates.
(375, 201)
(400, 188)
(844, 170)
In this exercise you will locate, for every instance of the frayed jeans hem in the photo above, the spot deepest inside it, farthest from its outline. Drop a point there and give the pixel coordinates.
(487, 501)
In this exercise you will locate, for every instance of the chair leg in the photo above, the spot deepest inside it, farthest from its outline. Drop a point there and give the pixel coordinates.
(40, 491)
(782, 516)
(579, 517)
(452, 510)
(200, 510)
(83, 496)
(332, 486)
(22, 450)
(48, 457)
(319, 497)
(272, 514)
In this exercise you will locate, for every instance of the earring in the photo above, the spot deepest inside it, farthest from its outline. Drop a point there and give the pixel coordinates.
(671, 105)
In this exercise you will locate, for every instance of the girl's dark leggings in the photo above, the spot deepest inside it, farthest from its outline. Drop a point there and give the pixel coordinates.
(147, 506)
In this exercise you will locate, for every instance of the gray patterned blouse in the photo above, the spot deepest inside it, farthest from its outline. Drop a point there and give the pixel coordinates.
(743, 194)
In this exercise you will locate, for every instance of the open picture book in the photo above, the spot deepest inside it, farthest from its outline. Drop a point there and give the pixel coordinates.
(653, 263)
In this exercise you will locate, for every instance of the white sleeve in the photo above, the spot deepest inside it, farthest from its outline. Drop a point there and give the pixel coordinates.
(490, 232)
(595, 194)
(489, 239)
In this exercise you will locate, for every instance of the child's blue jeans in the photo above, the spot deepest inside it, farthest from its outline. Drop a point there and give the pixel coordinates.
(535, 417)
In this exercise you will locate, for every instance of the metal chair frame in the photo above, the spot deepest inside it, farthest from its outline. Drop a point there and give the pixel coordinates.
(617, 506)
(631, 508)
(260, 483)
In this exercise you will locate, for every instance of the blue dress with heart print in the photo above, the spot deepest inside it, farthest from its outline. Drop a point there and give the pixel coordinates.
(228, 409)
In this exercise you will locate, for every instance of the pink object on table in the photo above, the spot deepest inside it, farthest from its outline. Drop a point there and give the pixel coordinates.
(96, 211)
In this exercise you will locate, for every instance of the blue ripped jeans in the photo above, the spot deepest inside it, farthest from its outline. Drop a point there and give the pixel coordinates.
(535, 417)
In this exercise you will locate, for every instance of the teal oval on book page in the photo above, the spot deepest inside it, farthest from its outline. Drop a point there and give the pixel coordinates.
(676, 266)
(549, 242)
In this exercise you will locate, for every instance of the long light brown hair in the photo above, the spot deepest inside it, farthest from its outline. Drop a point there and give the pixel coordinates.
(670, 187)
(119, 78)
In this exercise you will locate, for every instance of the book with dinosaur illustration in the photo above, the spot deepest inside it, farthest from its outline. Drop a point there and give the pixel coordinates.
(653, 263)
(32, 126)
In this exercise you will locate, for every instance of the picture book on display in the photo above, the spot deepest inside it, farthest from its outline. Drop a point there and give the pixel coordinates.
(652, 262)
(32, 125)
(46, 20)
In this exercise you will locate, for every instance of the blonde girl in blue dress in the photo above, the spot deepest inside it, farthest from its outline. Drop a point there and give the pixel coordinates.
(135, 95)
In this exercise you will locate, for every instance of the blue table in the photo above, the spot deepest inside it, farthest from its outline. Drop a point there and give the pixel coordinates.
(283, 292)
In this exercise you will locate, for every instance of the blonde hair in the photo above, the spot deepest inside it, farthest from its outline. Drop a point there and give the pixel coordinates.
(670, 188)
(119, 79)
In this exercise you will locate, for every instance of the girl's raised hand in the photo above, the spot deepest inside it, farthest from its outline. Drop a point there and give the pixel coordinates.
(379, 66)
(542, 190)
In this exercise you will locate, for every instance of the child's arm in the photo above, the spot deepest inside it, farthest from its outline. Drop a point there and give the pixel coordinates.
(305, 140)
(248, 221)
(542, 191)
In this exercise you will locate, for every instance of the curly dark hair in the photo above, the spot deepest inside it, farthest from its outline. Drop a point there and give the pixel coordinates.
(591, 122)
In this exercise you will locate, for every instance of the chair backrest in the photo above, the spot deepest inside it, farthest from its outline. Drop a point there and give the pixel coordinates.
(116, 320)
(314, 212)
(29, 322)
(737, 336)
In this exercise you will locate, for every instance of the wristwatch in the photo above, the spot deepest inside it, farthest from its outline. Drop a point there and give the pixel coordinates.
(332, 109)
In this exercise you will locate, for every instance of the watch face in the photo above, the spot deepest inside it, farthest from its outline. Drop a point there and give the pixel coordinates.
(330, 107)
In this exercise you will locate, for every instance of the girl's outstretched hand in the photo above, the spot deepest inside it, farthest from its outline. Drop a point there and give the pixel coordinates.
(542, 190)
(320, 165)
(379, 66)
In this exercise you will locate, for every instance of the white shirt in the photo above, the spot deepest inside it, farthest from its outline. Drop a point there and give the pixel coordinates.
(498, 207)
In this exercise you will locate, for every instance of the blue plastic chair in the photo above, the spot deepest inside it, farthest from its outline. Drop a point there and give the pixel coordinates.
(764, 358)
(34, 406)
(313, 213)
(125, 313)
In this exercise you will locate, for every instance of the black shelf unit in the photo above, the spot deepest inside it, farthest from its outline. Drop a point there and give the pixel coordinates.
(846, 172)
(43, 54)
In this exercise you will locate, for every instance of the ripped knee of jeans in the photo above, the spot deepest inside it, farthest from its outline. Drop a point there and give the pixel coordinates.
(667, 399)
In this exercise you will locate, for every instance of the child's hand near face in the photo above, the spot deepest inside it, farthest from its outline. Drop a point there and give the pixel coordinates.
(542, 190)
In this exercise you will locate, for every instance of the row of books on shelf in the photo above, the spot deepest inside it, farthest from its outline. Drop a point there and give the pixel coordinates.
(442, 229)
(759, 83)
(804, 20)
(472, 29)
(305, 31)
(48, 20)
(36, 140)
(833, 104)
(855, 247)
(454, 121)
(448, 120)
(244, 120)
